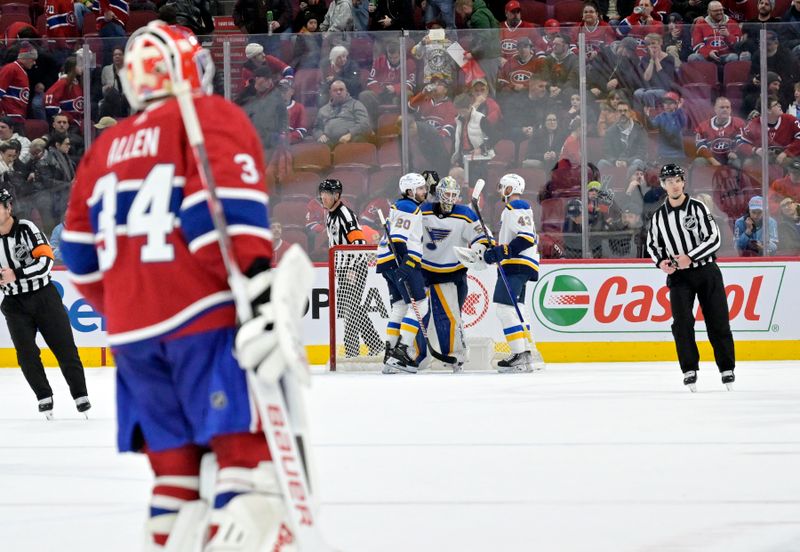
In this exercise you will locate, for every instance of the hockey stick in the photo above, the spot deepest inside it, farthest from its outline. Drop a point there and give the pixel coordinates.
(436, 354)
(285, 444)
(476, 195)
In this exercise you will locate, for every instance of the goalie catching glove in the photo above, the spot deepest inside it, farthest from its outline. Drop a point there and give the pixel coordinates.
(270, 342)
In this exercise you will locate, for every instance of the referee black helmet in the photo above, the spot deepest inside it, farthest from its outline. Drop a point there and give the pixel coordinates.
(331, 185)
(669, 170)
(5, 197)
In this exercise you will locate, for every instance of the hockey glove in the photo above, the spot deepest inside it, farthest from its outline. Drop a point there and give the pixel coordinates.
(496, 254)
(404, 270)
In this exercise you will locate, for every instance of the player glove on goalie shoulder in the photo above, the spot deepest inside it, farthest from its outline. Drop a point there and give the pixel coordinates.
(269, 341)
(496, 254)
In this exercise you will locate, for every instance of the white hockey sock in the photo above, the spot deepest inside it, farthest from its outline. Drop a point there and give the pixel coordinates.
(409, 326)
(399, 309)
(512, 328)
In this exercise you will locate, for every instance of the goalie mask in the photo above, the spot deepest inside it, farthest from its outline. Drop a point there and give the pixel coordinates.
(159, 56)
(448, 192)
(514, 181)
(410, 182)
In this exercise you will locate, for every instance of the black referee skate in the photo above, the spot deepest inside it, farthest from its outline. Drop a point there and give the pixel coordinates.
(690, 380)
(516, 363)
(399, 360)
(728, 378)
(46, 407)
(83, 405)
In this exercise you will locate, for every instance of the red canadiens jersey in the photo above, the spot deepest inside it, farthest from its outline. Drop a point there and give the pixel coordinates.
(441, 115)
(118, 7)
(707, 37)
(141, 245)
(383, 74)
(741, 10)
(601, 35)
(515, 71)
(61, 22)
(65, 98)
(298, 125)
(14, 90)
(717, 140)
(783, 136)
(510, 35)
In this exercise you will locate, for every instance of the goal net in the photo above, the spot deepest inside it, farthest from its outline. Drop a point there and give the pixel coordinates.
(359, 312)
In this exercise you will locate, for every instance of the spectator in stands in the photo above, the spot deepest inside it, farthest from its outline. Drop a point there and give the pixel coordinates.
(643, 21)
(545, 144)
(571, 148)
(562, 70)
(436, 117)
(658, 73)
(572, 228)
(296, 112)
(111, 23)
(432, 50)
(636, 189)
(574, 107)
(751, 94)
(690, 9)
(714, 36)
(114, 103)
(783, 136)
(42, 197)
(256, 58)
(516, 72)
(525, 113)
(785, 187)
(392, 15)
(751, 29)
(440, 11)
(629, 233)
(790, 30)
(716, 137)
(309, 10)
(279, 245)
(339, 17)
(104, 123)
(343, 119)
(472, 139)
(340, 68)
(267, 109)
(8, 133)
(543, 40)
(384, 82)
(308, 42)
(670, 124)
(678, 39)
(65, 97)
(15, 85)
(9, 154)
(625, 142)
(484, 44)
(64, 22)
(598, 33)
(481, 101)
(16, 176)
(513, 29)
(61, 125)
(608, 112)
(195, 15)
(794, 107)
(748, 231)
(740, 10)
(615, 68)
(788, 222)
(251, 16)
(57, 172)
(780, 60)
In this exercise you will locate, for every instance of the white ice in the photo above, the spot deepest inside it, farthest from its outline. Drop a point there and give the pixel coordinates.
(614, 457)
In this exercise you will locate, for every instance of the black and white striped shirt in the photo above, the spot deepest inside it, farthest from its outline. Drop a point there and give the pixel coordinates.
(25, 250)
(343, 228)
(688, 229)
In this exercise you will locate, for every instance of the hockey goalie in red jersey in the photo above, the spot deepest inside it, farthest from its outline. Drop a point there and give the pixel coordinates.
(142, 248)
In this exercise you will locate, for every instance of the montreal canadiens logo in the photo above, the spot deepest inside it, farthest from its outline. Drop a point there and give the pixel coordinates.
(78, 104)
(690, 222)
(25, 94)
(508, 45)
(476, 305)
(564, 301)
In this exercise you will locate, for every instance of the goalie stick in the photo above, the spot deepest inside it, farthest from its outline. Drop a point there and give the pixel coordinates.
(434, 353)
(281, 425)
(476, 195)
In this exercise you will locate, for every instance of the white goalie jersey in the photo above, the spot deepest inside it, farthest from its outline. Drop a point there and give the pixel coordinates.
(441, 233)
(517, 229)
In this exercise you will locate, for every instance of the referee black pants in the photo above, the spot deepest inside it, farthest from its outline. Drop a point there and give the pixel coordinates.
(42, 311)
(705, 283)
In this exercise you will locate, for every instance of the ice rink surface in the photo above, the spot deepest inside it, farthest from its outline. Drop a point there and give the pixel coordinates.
(615, 457)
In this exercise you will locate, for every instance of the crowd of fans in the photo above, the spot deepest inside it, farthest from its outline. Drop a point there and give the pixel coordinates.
(487, 91)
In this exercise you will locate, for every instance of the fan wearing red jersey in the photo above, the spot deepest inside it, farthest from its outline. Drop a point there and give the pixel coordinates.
(142, 248)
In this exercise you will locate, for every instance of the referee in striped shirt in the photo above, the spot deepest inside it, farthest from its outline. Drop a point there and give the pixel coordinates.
(32, 303)
(682, 241)
(351, 274)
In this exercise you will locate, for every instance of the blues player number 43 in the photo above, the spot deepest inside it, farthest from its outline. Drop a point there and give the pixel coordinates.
(149, 213)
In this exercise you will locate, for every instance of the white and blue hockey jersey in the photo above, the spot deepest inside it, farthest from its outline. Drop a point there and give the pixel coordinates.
(405, 224)
(443, 231)
(517, 230)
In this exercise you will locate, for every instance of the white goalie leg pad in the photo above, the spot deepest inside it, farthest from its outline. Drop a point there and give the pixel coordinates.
(447, 321)
(513, 329)
(186, 529)
(255, 521)
(396, 316)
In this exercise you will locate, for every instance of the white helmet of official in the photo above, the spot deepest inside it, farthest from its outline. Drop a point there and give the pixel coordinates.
(448, 192)
(513, 181)
(410, 182)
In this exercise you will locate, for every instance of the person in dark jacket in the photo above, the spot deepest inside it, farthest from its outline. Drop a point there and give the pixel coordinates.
(267, 109)
(251, 16)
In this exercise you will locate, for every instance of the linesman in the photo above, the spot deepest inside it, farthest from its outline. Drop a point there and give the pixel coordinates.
(351, 273)
(32, 303)
(682, 241)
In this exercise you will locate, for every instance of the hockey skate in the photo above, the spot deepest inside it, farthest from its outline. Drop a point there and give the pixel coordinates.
(537, 362)
(399, 359)
(516, 363)
(690, 380)
(83, 405)
(728, 378)
(46, 407)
